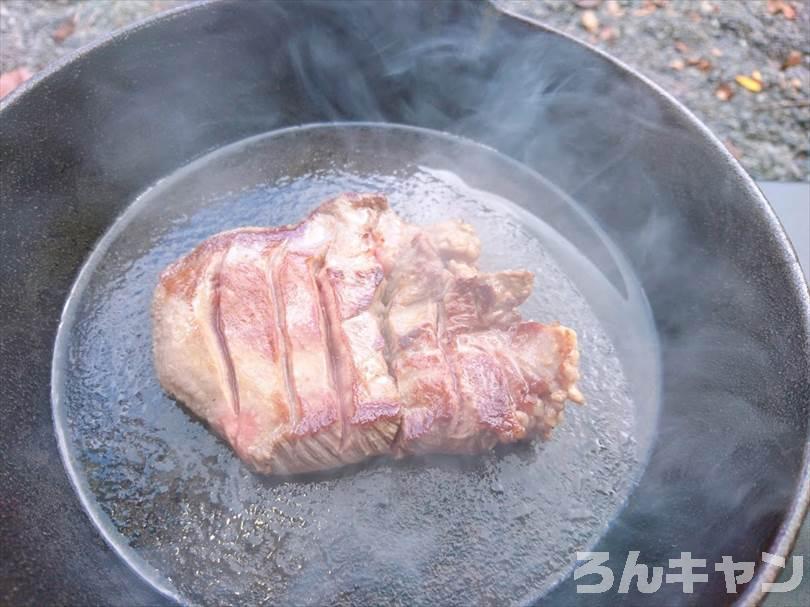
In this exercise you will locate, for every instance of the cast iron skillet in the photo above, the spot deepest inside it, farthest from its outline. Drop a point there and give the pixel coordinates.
(729, 467)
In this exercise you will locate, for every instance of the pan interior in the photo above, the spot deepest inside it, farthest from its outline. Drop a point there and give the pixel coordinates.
(188, 516)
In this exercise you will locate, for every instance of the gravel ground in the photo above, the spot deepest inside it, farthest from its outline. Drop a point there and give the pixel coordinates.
(694, 48)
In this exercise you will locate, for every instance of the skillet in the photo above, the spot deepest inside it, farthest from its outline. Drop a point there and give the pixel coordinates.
(617, 168)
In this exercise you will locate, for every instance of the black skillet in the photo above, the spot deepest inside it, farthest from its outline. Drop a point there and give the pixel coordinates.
(658, 204)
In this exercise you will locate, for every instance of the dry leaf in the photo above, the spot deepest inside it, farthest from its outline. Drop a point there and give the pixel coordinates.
(587, 3)
(589, 21)
(749, 84)
(64, 30)
(608, 34)
(677, 64)
(795, 83)
(724, 92)
(613, 8)
(781, 6)
(704, 65)
(681, 47)
(793, 58)
(11, 80)
(716, 52)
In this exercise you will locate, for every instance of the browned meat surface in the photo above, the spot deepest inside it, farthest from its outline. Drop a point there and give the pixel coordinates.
(355, 334)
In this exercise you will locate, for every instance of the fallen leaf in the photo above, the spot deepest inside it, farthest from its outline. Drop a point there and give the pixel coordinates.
(12, 79)
(793, 58)
(781, 6)
(704, 65)
(733, 149)
(681, 47)
(724, 92)
(716, 52)
(677, 64)
(795, 83)
(613, 8)
(590, 21)
(749, 84)
(587, 3)
(608, 34)
(757, 75)
(64, 30)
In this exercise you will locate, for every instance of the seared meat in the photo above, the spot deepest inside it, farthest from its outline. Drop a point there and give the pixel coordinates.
(354, 334)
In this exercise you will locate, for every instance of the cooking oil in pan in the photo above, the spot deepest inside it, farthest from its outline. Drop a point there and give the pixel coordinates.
(502, 527)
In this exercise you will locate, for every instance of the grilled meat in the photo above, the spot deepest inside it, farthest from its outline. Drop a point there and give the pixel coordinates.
(354, 334)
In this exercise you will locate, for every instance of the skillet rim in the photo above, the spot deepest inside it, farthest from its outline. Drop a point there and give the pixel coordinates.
(787, 535)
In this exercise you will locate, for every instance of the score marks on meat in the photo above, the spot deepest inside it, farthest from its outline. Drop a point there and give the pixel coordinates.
(354, 334)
